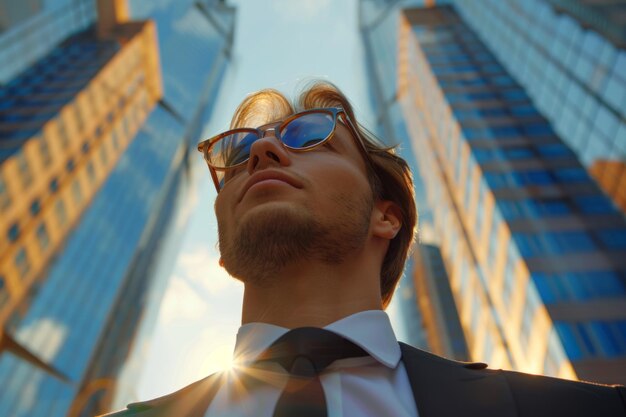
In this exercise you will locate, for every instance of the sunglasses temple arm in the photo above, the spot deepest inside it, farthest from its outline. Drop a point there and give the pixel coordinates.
(358, 138)
(214, 177)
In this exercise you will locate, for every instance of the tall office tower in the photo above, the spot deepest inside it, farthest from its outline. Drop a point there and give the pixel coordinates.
(570, 57)
(378, 21)
(534, 249)
(443, 328)
(94, 139)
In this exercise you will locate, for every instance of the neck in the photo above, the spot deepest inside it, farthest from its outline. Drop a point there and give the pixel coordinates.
(313, 295)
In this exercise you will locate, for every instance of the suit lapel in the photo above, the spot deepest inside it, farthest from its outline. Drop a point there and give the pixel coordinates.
(441, 388)
(445, 388)
(191, 401)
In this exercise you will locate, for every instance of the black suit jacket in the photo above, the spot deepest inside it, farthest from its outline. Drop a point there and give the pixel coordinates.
(443, 388)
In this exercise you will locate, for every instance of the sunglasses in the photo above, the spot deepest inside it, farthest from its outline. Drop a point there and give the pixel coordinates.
(300, 132)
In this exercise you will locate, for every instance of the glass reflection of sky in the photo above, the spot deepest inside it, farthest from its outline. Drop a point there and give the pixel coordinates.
(67, 315)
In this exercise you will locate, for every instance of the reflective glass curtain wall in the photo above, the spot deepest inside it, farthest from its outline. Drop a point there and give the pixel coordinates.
(534, 249)
(570, 57)
(378, 22)
(83, 315)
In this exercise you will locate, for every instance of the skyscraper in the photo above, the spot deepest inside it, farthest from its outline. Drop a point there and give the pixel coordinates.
(570, 57)
(378, 21)
(95, 136)
(533, 248)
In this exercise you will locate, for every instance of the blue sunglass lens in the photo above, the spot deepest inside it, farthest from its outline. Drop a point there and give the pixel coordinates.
(234, 149)
(307, 130)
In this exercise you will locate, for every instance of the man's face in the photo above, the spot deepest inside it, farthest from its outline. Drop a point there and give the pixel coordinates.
(284, 207)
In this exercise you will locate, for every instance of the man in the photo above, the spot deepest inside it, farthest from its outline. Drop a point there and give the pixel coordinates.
(316, 219)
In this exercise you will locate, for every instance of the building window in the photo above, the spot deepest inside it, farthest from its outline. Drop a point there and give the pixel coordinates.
(70, 165)
(489, 346)
(77, 192)
(115, 139)
(569, 340)
(493, 239)
(104, 155)
(530, 244)
(91, 172)
(42, 237)
(14, 232)
(4, 293)
(509, 274)
(26, 175)
(572, 175)
(35, 207)
(126, 126)
(548, 207)
(511, 209)
(530, 307)
(612, 238)
(80, 123)
(5, 198)
(92, 101)
(609, 336)
(554, 151)
(44, 151)
(560, 243)
(63, 133)
(580, 286)
(468, 190)
(476, 309)
(54, 185)
(534, 177)
(517, 153)
(22, 263)
(554, 355)
(480, 210)
(464, 278)
(594, 204)
(61, 212)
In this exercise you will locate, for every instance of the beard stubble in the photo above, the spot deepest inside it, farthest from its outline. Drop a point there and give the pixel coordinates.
(266, 242)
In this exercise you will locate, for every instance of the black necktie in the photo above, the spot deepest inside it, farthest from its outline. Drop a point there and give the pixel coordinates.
(304, 353)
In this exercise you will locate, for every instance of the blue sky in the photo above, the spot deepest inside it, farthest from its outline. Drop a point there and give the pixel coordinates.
(280, 44)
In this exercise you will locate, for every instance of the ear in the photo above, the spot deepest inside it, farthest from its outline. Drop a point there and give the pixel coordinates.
(221, 262)
(386, 219)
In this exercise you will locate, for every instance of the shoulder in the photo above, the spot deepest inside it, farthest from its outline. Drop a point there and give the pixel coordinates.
(465, 386)
(190, 401)
(533, 392)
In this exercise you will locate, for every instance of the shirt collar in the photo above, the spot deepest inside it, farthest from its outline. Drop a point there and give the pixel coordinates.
(371, 330)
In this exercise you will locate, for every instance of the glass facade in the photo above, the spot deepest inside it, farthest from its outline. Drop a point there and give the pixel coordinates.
(434, 295)
(36, 29)
(93, 302)
(532, 245)
(378, 25)
(569, 57)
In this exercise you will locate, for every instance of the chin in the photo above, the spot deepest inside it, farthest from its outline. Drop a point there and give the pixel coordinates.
(267, 238)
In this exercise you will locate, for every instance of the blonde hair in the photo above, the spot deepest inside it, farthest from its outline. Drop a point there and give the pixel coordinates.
(390, 178)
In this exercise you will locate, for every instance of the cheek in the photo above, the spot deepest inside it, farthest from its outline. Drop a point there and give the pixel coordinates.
(222, 213)
(343, 182)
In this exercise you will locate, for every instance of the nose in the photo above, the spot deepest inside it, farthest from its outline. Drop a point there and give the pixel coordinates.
(267, 151)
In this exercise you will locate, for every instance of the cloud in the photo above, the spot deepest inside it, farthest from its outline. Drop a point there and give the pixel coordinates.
(181, 303)
(200, 267)
(197, 282)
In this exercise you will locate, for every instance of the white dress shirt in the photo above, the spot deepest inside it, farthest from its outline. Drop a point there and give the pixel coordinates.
(367, 386)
